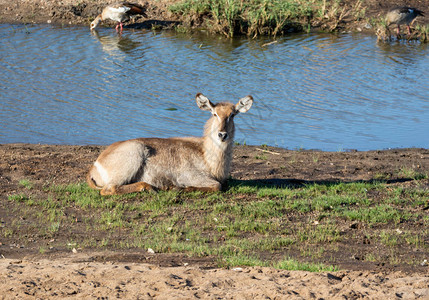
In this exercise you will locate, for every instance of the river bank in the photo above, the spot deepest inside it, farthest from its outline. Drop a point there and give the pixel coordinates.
(230, 19)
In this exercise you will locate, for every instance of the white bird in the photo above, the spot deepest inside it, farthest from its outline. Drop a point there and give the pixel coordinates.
(119, 12)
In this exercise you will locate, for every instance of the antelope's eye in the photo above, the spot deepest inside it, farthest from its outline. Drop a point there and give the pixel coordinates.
(215, 114)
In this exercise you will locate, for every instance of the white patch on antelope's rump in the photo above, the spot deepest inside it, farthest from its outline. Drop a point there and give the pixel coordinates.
(103, 172)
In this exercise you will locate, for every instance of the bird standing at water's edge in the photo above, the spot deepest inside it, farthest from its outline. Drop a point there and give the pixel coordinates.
(402, 15)
(119, 12)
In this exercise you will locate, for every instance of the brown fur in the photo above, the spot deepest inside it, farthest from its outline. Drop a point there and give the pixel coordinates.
(187, 163)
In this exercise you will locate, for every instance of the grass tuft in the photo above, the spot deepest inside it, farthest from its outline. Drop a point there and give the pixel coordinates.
(266, 17)
(251, 224)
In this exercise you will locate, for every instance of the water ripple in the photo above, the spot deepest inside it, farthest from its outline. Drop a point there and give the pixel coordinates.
(330, 92)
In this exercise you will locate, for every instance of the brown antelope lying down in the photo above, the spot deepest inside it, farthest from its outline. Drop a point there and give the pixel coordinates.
(188, 163)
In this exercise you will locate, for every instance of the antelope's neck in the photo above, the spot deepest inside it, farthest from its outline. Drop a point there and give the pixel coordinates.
(217, 154)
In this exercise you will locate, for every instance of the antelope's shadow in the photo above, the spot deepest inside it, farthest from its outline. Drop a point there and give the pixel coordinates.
(298, 183)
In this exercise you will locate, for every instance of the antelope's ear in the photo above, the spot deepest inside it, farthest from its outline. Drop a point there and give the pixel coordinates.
(244, 104)
(203, 102)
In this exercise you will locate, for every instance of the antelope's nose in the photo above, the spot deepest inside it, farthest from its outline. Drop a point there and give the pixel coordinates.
(222, 136)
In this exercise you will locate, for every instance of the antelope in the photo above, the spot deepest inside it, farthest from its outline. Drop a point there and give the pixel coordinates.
(185, 163)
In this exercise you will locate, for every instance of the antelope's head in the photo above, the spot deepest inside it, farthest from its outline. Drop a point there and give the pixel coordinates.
(220, 127)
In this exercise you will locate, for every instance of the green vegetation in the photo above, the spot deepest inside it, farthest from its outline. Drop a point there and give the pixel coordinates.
(267, 17)
(26, 183)
(410, 173)
(250, 224)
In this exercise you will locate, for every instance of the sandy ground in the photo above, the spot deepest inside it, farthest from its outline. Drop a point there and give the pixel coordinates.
(81, 275)
(77, 276)
(27, 274)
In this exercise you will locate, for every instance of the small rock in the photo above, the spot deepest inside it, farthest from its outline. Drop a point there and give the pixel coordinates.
(150, 250)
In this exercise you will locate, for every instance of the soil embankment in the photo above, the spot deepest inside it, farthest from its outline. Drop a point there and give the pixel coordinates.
(347, 15)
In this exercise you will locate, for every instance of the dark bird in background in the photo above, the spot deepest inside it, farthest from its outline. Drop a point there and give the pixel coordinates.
(402, 15)
(119, 12)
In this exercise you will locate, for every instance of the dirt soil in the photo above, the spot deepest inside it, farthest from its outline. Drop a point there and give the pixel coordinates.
(24, 272)
(70, 12)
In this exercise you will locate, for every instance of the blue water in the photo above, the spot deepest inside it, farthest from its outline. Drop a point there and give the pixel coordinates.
(312, 91)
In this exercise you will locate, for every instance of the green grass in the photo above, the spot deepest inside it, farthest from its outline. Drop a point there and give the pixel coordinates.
(389, 239)
(416, 240)
(411, 173)
(250, 224)
(274, 17)
(324, 233)
(291, 264)
(26, 183)
(379, 214)
(6, 232)
(266, 17)
(19, 197)
(261, 157)
(285, 264)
